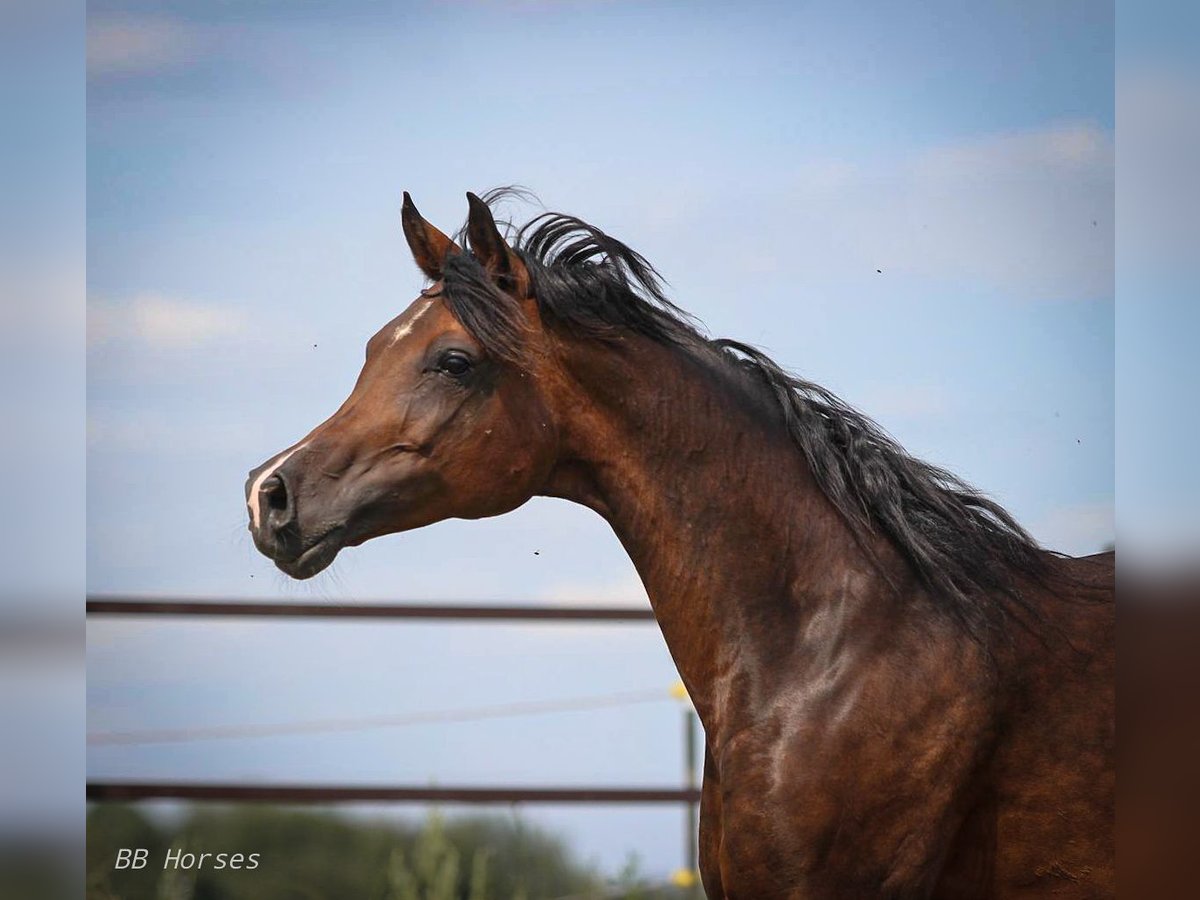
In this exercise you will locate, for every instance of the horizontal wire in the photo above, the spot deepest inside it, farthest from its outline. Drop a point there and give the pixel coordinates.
(319, 726)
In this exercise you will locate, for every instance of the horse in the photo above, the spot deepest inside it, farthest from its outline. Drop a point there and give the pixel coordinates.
(902, 693)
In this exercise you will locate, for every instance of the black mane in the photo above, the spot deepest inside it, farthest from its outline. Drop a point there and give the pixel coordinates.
(965, 547)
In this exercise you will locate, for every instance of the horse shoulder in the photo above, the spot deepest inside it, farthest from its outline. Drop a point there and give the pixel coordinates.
(857, 778)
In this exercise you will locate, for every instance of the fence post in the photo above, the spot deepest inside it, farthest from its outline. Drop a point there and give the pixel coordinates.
(688, 877)
(691, 727)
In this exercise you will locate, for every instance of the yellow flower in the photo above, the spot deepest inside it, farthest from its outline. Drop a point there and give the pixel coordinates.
(683, 878)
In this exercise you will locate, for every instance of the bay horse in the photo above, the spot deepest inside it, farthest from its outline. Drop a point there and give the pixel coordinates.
(902, 694)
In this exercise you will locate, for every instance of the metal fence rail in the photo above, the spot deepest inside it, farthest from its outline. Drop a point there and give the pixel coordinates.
(152, 606)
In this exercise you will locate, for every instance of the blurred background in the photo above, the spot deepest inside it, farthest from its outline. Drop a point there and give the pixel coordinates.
(913, 207)
(936, 182)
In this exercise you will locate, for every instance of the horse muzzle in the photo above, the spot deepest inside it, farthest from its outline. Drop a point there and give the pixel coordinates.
(275, 527)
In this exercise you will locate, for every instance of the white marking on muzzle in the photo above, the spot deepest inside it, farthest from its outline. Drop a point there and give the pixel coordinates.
(405, 328)
(254, 501)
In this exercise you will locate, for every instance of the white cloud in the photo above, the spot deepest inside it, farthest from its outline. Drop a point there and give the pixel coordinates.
(625, 591)
(825, 175)
(906, 401)
(1024, 214)
(1086, 528)
(1159, 120)
(1030, 214)
(162, 322)
(128, 45)
(152, 432)
(1071, 149)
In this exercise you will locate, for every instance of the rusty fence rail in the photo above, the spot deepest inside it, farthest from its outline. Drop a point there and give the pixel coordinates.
(153, 606)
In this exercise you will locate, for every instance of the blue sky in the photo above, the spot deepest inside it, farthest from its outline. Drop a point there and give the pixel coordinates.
(245, 166)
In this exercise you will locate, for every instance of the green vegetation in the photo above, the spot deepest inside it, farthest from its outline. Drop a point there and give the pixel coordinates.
(306, 855)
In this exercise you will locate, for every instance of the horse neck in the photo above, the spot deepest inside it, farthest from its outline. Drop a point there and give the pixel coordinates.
(693, 468)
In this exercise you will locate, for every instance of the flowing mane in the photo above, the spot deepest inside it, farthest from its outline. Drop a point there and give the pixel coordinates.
(967, 549)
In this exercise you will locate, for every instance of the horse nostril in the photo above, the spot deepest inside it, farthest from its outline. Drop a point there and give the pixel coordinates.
(277, 495)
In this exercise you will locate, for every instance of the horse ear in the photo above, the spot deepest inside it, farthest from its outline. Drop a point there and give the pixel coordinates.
(490, 248)
(428, 245)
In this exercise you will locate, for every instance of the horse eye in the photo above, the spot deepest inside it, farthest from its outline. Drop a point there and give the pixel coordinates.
(454, 362)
